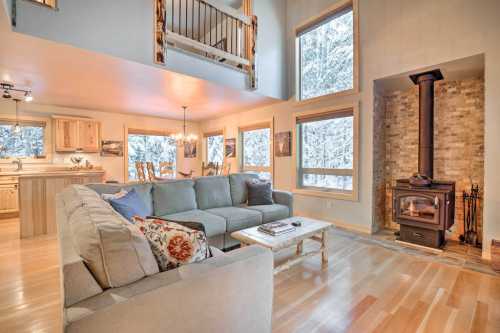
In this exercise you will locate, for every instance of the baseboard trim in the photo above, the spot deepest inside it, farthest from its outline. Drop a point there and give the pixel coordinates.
(342, 225)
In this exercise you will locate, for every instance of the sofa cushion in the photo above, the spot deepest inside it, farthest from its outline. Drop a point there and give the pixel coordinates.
(272, 212)
(214, 224)
(115, 251)
(130, 205)
(238, 218)
(174, 196)
(143, 190)
(259, 193)
(213, 192)
(173, 244)
(238, 185)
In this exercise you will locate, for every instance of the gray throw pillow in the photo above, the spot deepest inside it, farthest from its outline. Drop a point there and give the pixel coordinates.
(259, 193)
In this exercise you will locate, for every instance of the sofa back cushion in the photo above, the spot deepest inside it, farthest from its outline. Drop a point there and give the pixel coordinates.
(238, 183)
(115, 251)
(174, 196)
(145, 192)
(213, 192)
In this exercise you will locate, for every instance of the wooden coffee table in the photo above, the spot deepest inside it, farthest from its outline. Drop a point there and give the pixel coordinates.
(310, 229)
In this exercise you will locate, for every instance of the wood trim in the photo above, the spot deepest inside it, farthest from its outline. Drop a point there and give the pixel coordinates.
(341, 5)
(256, 126)
(322, 171)
(148, 132)
(35, 123)
(213, 133)
(324, 116)
(174, 37)
(334, 194)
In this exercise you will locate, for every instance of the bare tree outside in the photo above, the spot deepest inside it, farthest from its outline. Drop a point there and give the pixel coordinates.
(215, 149)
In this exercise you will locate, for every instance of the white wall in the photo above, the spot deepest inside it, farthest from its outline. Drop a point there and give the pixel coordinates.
(112, 127)
(396, 36)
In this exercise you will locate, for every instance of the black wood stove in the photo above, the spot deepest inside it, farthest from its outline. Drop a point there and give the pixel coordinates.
(424, 207)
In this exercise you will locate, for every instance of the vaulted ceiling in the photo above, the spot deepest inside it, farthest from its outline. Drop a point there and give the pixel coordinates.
(63, 75)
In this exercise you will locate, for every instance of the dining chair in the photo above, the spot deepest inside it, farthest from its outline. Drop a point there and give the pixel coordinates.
(167, 170)
(141, 174)
(151, 171)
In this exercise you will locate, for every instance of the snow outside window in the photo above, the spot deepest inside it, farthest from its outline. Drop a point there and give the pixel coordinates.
(215, 149)
(257, 152)
(28, 143)
(326, 52)
(326, 153)
(150, 148)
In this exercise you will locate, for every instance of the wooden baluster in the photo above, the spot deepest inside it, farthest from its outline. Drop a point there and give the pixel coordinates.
(179, 18)
(199, 13)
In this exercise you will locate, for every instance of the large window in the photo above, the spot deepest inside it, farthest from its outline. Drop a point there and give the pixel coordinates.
(326, 151)
(326, 54)
(214, 147)
(29, 142)
(149, 147)
(256, 150)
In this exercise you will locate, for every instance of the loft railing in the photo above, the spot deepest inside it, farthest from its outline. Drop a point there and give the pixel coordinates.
(209, 29)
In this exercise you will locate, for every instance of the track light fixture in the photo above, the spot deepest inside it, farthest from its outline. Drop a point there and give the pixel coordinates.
(9, 89)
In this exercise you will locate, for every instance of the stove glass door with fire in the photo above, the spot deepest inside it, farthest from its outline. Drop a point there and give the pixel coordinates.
(421, 208)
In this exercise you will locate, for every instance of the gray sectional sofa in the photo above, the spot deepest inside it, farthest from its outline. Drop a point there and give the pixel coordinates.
(218, 202)
(112, 283)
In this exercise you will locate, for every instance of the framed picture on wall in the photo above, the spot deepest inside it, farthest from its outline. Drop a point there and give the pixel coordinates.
(189, 149)
(283, 144)
(230, 148)
(111, 148)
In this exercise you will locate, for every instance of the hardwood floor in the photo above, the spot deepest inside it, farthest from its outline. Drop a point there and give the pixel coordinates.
(366, 288)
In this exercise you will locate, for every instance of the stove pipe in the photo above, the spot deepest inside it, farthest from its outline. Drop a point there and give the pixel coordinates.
(425, 83)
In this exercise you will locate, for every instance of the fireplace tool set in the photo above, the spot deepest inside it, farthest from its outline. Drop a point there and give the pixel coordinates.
(470, 207)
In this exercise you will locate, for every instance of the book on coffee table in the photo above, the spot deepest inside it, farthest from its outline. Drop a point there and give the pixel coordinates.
(276, 228)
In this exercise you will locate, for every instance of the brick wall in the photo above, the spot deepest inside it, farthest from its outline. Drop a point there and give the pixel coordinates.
(458, 140)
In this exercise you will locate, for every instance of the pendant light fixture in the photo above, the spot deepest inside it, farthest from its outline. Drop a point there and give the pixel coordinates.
(9, 91)
(183, 138)
(16, 129)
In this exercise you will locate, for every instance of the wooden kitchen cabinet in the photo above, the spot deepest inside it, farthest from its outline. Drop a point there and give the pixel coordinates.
(66, 134)
(9, 202)
(89, 135)
(72, 134)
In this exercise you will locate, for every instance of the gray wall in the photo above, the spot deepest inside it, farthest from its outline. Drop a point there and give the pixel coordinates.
(124, 29)
(393, 41)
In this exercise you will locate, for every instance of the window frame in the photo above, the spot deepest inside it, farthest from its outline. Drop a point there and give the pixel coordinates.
(205, 143)
(47, 143)
(316, 21)
(136, 131)
(241, 151)
(296, 156)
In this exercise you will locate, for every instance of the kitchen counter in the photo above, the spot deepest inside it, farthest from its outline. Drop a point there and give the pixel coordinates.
(37, 195)
(49, 172)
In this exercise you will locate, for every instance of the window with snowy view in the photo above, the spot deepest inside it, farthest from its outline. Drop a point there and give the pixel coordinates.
(326, 52)
(149, 148)
(29, 142)
(326, 152)
(257, 152)
(215, 149)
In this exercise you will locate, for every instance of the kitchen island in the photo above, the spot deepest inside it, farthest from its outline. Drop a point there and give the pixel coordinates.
(37, 192)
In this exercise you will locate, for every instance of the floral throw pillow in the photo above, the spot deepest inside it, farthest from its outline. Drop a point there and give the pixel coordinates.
(173, 244)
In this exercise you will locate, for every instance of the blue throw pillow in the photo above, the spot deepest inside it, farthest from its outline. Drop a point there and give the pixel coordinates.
(130, 205)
